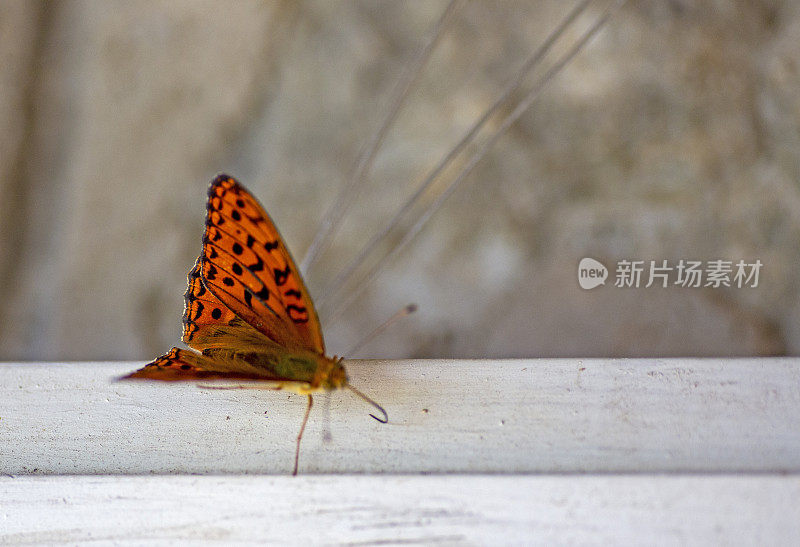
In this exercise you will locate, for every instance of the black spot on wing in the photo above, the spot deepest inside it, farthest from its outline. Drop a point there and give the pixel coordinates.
(263, 294)
(281, 276)
(256, 219)
(257, 266)
(298, 314)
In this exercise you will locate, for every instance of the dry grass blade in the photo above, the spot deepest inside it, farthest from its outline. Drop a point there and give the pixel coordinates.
(436, 204)
(344, 275)
(334, 215)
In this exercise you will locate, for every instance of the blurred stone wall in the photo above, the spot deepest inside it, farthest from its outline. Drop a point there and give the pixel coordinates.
(675, 135)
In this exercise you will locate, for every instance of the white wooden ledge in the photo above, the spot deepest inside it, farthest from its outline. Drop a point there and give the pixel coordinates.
(393, 510)
(514, 416)
(656, 451)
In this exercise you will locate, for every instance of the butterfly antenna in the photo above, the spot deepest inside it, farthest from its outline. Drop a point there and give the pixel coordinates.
(334, 215)
(385, 418)
(404, 312)
(300, 435)
(341, 279)
(520, 109)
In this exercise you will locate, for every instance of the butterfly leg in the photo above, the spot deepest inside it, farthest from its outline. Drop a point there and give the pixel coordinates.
(300, 435)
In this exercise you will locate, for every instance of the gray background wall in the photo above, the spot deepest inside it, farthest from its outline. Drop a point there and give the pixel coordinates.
(676, 134)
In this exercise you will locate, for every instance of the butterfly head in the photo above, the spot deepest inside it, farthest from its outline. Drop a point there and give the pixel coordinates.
(336, 377)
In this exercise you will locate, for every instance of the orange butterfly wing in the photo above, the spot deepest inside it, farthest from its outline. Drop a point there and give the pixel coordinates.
(202, 311)
(175, 365)
(243, 294)
(185, 364)
(246, 266)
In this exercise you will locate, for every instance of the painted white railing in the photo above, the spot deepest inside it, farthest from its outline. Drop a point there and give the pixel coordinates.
(677, 450)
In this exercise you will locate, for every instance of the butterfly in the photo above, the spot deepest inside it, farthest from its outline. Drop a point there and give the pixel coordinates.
(247, 313)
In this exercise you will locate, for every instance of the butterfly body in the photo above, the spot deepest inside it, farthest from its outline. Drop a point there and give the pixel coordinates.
(296, 371)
